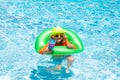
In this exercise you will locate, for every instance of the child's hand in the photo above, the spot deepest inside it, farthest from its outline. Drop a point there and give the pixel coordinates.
(48, 51)
(71, 46)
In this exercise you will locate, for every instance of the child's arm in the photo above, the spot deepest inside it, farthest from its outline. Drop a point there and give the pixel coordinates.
(68, 44)
(44, 50)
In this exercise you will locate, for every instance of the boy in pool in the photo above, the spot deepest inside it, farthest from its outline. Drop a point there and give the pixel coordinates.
(59, 36)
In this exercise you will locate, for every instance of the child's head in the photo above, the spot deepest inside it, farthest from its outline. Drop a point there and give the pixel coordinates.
(58, 34)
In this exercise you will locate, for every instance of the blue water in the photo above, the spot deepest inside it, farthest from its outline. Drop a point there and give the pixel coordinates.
(97, 22)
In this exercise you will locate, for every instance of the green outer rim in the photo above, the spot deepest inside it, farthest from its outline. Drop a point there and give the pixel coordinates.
(43, 38)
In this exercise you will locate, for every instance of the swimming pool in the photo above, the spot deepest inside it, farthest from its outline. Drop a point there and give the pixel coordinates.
(97, 22)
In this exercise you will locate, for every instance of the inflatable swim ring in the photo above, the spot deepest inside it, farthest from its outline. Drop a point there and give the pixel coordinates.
(73, 38)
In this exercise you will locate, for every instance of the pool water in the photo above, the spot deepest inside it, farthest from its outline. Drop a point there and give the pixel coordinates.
(97, 22)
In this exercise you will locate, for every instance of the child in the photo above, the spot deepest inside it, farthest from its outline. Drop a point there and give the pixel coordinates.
(60, 38)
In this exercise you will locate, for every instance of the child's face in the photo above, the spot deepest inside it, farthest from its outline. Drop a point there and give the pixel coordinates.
(58, 37)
